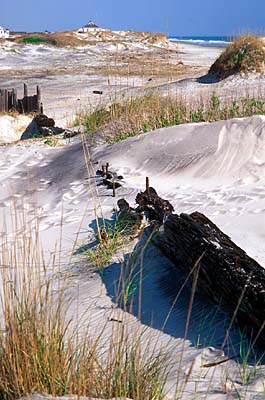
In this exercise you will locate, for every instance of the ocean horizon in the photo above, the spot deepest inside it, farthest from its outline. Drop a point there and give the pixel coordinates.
(208, 41)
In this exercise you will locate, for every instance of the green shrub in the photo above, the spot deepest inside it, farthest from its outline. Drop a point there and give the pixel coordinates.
(33, 40)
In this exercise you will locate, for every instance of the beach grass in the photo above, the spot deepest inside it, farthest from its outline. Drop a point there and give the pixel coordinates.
(245, 54)
(111, 237)
(41, 351)
(139, 114)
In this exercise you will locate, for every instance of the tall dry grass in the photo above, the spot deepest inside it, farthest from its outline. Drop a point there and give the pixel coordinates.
(131, 116)
(41, 349)
(245, 54)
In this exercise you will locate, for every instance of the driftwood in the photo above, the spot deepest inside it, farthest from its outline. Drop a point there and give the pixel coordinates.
(97, 92)
(155, 207)
(226, 274)
(43, 121)
(110, 178)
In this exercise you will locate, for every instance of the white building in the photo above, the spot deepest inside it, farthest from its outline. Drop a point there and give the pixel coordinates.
(4, 33)
(90, 27)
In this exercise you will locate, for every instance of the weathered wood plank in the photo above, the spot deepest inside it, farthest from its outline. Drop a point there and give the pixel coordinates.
(38, 105)
(28, 104)
(227, 275)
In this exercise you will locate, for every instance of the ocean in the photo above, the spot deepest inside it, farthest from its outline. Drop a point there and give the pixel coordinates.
(208, 41)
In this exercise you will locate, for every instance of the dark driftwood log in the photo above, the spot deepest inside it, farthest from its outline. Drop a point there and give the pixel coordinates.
(227, 275)
(109, 183)
(155, 207)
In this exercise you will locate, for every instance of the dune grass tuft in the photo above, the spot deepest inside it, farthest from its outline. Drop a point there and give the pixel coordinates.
(112, 237)
(42, 350)
(245, 54)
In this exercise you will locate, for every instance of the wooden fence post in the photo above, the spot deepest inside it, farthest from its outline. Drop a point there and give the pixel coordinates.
(28, 104)
(147, 185)
(38, 99)
(6, 100)
(1, 100)
(25, 99)
(14, 99)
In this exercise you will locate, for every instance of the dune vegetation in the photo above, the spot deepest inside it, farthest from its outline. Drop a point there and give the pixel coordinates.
(135, 115)
(74, 38)
(41, 351)
(245, 54)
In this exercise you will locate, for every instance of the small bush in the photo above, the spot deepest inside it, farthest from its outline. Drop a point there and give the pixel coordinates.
(245, 54)
(33, 40)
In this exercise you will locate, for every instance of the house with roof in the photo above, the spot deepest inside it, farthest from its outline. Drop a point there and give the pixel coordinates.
(90, 27)
(4, 33)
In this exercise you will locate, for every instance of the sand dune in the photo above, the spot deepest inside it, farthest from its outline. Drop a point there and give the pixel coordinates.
(227, 150)
(215, 168)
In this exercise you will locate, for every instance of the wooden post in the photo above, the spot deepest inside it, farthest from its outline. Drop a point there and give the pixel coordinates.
(10, 100)
(107, 168)
(25, 90)
(35, 103)
(6, 100)
(1, 101)
(147, 185)
(103, 170)
(41, 108)
(113, 187)
(38, 99)
(20, 106)
(25, 103)
(14, 99)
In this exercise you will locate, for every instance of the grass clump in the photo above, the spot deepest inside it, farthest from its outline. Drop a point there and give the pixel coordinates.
(41, 349)
(135, 115)
(245, 54)
(111, 237)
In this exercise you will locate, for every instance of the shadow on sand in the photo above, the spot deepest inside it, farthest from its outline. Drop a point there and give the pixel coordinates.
(158, 294)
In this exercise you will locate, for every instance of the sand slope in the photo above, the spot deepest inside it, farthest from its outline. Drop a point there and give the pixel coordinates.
(233, 149)
(214, 168)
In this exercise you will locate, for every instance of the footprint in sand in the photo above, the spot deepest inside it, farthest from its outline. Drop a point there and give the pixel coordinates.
(75, 183)
(44, 182)
(72, 220)
(44, 227)
(218, 212)
(78, 189)
(69, 196)
(32, 163)
(258, 211)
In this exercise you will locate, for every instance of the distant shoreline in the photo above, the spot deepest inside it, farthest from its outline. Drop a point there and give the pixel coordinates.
(207, 41)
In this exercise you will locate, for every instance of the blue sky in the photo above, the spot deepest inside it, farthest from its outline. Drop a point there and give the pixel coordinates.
(180, 17)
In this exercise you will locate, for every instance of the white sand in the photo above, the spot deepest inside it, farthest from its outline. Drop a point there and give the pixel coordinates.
(218, 169)
(12, 128)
